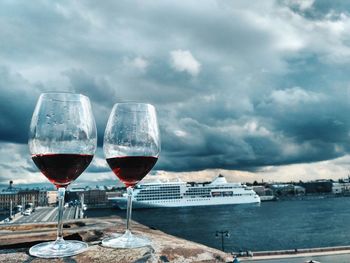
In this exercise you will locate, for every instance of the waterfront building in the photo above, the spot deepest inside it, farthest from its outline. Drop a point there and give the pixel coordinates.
(37, 197)
(266, 194)
(5, 199)
(287, 189)
(337, 188)
(51, 197)
(261, 190)
(95, 197)
(318, 186)
(22, 197)
(299, 190)
(341, 187)
(91, 197)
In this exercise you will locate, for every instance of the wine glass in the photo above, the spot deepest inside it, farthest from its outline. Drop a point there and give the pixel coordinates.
(131, 146)
(62, 141)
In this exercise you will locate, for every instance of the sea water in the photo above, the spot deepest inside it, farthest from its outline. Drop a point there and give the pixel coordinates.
(291, 224)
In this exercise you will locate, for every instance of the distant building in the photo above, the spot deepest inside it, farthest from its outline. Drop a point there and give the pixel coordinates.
(341, 187)
(51, 197)
(6, 198)
(299, 190)
(262, 190)
(287, 189)
(95, 197)
(92, 197)
(21, 197)
(37, 197)
(319, 186)
(110, 194)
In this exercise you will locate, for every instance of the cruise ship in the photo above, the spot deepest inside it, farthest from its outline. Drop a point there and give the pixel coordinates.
(181, 194)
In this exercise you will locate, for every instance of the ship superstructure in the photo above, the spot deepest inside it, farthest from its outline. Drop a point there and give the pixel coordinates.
(181, 194)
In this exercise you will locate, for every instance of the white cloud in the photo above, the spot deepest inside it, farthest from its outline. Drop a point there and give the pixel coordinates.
(292, 33)
(332, 169)
(294, 96)
(140, 63)
(180, 133)
(182, 60)
(249, 51)
(16, 165)
(300, 4)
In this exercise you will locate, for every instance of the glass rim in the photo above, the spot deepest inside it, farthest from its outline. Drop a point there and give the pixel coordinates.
(133, 104)
(62, 96)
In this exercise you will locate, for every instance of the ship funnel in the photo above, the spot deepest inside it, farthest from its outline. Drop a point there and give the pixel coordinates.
(219, 180)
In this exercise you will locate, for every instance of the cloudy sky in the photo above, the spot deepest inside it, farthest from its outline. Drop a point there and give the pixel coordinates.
(251, 89)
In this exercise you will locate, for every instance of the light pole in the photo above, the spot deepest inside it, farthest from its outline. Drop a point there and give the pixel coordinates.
(11, 209)
(82, 205)
(223, 233)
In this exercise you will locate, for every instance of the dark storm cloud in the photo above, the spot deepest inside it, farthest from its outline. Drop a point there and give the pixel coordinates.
(17, 100)
(236, 85)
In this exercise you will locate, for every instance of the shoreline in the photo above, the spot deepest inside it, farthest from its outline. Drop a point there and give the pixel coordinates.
(261, 256)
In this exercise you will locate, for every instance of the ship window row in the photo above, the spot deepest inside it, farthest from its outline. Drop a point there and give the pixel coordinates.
(196, 196)
(159, 193)
(221, 194)
(149, 196)
(196, 193)
(212, 188)
(197, 199)
(152, 195)
(158, 198)
(158, 190)
(225, 187)
(167, 201)
(164, 187)
(198, 190)
(175, 190)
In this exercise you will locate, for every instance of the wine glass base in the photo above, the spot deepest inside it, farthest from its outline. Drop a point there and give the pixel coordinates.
(126, 240)
(58, 249)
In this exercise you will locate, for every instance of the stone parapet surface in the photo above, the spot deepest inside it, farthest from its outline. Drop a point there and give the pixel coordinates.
(15, 241)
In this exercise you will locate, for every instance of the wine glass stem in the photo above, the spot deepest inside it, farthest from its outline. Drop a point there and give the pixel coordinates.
(129, 208)
(61, 192)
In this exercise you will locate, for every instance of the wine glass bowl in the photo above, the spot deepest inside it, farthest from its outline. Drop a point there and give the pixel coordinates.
(131, 147)
(62, 142)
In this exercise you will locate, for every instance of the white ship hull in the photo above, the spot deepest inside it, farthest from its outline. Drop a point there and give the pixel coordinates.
(121, 202)
(181, 194)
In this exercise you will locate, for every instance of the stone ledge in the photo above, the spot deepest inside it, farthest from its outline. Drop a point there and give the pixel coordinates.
(15, 241)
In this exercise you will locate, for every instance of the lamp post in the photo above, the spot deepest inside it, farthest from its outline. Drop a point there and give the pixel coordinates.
(11, 209)
(223, 234)
(82, 205)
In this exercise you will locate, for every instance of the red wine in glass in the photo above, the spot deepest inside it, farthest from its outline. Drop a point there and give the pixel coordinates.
(62, 142)
(62, 169)
(131, 145)
(131, 169)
